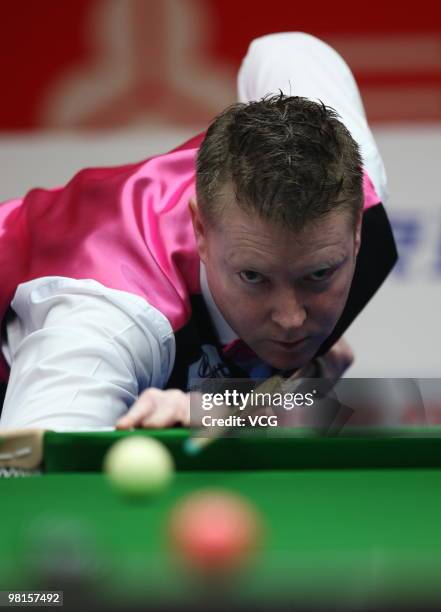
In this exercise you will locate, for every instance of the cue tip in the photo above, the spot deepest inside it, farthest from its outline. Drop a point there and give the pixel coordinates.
(193, 446)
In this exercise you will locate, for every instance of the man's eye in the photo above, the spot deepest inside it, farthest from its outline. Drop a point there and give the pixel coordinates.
(248, 276)
(320, 275)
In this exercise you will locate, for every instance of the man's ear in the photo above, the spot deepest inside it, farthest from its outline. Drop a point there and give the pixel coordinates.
(200, 229)
(358, 224)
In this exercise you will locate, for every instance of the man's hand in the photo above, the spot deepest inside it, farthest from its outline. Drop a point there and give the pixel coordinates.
(333, 364)
(155, 409)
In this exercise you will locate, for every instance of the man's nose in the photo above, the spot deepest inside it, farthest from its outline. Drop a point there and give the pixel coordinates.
(288, 312)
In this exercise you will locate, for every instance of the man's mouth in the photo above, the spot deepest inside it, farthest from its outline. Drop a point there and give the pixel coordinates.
(289, 345)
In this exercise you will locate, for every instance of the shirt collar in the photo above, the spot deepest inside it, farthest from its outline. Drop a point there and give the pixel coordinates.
(225, 333)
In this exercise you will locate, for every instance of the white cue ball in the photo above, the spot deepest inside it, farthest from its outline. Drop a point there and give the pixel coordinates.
(138, 466)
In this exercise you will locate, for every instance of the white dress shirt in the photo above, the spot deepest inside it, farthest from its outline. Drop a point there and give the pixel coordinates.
(80, 354)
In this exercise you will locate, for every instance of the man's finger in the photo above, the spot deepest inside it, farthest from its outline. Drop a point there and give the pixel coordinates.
(174, 409)
(337, 360)
(139, 411)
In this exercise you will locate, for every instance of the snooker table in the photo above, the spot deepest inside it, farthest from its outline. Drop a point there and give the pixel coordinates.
(351, 521)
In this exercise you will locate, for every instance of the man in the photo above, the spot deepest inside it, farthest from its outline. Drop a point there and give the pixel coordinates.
(132, 281)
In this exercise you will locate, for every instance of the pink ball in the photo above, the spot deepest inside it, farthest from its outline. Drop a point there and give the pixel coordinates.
(214, 530)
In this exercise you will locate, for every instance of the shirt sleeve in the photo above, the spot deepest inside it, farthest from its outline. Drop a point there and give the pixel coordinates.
(80, 354)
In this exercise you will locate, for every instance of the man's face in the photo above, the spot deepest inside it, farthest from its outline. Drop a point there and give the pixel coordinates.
(282, 292)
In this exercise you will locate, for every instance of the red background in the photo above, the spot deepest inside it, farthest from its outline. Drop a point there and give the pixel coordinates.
(42, 39)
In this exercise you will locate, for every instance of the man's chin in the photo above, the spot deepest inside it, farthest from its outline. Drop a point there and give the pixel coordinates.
(287, 361)
(282, 362)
